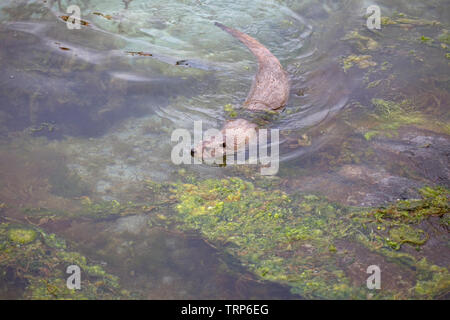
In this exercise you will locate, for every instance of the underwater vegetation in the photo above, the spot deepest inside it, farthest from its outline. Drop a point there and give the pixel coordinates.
(318, 248)
(21, 236)
(297, 239)
(389, 116)
(402, 222)
(36, 262)
(362, 61)
(434, 202)
(261, 228)
(303, 240)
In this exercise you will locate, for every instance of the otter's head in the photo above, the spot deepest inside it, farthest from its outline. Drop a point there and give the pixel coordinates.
(233, 137)
(210, 148)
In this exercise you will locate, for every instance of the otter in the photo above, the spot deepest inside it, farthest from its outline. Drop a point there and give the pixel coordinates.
(269, 92)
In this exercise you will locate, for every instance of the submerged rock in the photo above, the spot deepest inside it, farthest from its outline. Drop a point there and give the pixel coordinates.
(133, 224)
(425, 152)
(359, 185)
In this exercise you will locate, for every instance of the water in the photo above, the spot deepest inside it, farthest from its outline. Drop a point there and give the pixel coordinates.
(90, 112)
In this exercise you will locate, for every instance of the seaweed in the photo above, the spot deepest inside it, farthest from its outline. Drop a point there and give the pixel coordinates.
(362, 61)
(294, 239)
(29, 259)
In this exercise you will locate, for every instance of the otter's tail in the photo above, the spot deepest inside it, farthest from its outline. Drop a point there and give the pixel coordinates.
(255, 47)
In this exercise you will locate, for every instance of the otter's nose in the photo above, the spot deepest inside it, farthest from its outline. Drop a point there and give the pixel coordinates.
(192, 152)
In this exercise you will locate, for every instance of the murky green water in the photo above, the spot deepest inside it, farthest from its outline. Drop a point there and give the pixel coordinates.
(86, 120)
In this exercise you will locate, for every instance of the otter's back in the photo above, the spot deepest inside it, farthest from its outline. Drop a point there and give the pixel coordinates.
(270, 88)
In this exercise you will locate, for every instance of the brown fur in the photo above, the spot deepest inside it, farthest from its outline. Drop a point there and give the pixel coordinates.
(270, 88)
(269, 92)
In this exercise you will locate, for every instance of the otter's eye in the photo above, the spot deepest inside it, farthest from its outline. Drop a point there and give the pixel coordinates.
(224, 144)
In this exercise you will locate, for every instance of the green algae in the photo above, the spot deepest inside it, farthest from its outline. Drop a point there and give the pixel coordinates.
(266, 231)
(444, 37)
(386, 108)
(315, 280)
(401, 223)
(407, 234)
(385, 21)
(362, 61)
(417, 21)
(362, 43)
(370, 134)
(52, 240)
(374, 83)
(85, 207)
(229, 109)
(432, 280)
(88, 208)
(348, 154)
(390, 116)
(39, 269)
(425, 39)
(402, 19)
(22, 236)
(292, 239)
(105, 209)
(76, 258)
(434, 202)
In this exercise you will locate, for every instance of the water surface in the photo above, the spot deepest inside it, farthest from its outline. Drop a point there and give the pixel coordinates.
(87, 115)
